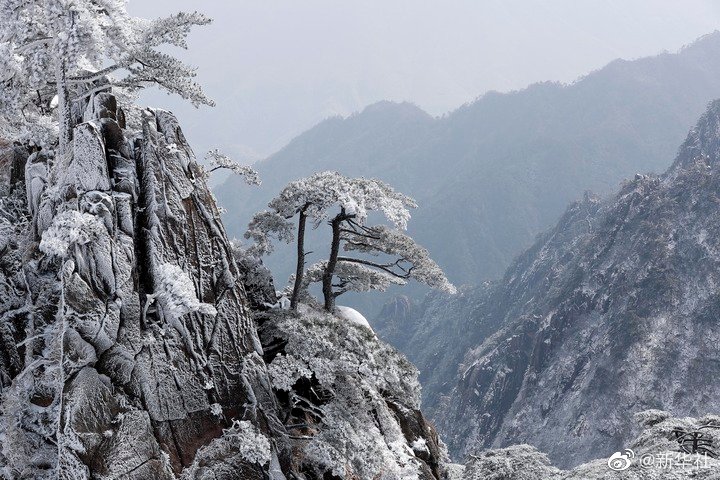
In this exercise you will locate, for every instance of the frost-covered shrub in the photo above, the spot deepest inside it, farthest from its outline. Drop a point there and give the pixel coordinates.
(69, 228)
(286, 370)
(352, 376)
(14, 217)
(324, 346)
(252, 445)
(648, 418)
(30, 436)
(240, 444)
(256, 277)
(518, 462)
(361, 439)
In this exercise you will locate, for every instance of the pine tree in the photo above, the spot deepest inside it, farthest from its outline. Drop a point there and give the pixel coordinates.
(56, 53)
(219, 161)
(345, 203)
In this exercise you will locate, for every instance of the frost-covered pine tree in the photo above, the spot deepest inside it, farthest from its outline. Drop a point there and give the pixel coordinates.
(54, 53)
(345, 204)
(311, 197)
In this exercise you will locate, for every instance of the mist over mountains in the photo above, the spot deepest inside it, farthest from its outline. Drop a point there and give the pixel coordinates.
(493, 174)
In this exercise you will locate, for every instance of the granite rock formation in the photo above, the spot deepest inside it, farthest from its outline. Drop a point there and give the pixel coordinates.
(128, 347)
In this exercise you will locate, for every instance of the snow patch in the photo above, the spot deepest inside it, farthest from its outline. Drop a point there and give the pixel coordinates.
(419, 445)
(353, 316)
(176, 292)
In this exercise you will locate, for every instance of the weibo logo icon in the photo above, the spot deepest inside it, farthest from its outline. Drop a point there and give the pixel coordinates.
(620, 461)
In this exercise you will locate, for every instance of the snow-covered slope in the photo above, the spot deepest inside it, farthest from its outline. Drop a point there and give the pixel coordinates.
(611, 312)
(352, 400)
(353, 316)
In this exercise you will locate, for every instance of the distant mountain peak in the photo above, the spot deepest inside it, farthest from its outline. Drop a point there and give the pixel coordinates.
(709, 39)
(390, 109)
(492, 175)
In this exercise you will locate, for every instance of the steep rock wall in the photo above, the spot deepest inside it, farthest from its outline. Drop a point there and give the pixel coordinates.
(135, 290)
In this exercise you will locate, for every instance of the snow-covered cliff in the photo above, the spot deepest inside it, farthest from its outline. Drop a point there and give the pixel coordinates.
(128, 347)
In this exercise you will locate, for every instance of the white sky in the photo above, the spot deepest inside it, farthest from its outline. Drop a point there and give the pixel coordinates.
(277, 67)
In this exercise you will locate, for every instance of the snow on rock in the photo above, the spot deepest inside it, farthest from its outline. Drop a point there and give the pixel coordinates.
(419, 445)
(67, 229)
(176, 293)
(654, 454)
(119, 222)
(352, 400)
(352, 316)
(87, 168)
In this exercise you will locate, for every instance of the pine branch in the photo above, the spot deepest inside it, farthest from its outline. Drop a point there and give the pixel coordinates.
(33, 43)
(387, 268)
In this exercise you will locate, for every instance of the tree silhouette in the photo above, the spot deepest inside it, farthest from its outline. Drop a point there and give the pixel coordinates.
(696, 441)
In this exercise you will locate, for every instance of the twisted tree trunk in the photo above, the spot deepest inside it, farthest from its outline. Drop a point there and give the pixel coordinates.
(64, 112)
(327, 286)
(300, 267)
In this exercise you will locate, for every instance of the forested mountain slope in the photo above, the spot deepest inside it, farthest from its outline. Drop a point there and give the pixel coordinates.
(611, 312)
(493, 174)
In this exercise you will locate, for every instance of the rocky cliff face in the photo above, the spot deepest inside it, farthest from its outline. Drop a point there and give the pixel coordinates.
(127, 344)
(611, 312)
(137, 344)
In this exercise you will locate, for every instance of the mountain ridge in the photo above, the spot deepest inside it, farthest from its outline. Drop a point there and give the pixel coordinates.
(493, 174)
(611, 312)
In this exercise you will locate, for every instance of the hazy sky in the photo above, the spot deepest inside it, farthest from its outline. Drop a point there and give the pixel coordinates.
(277, 67)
